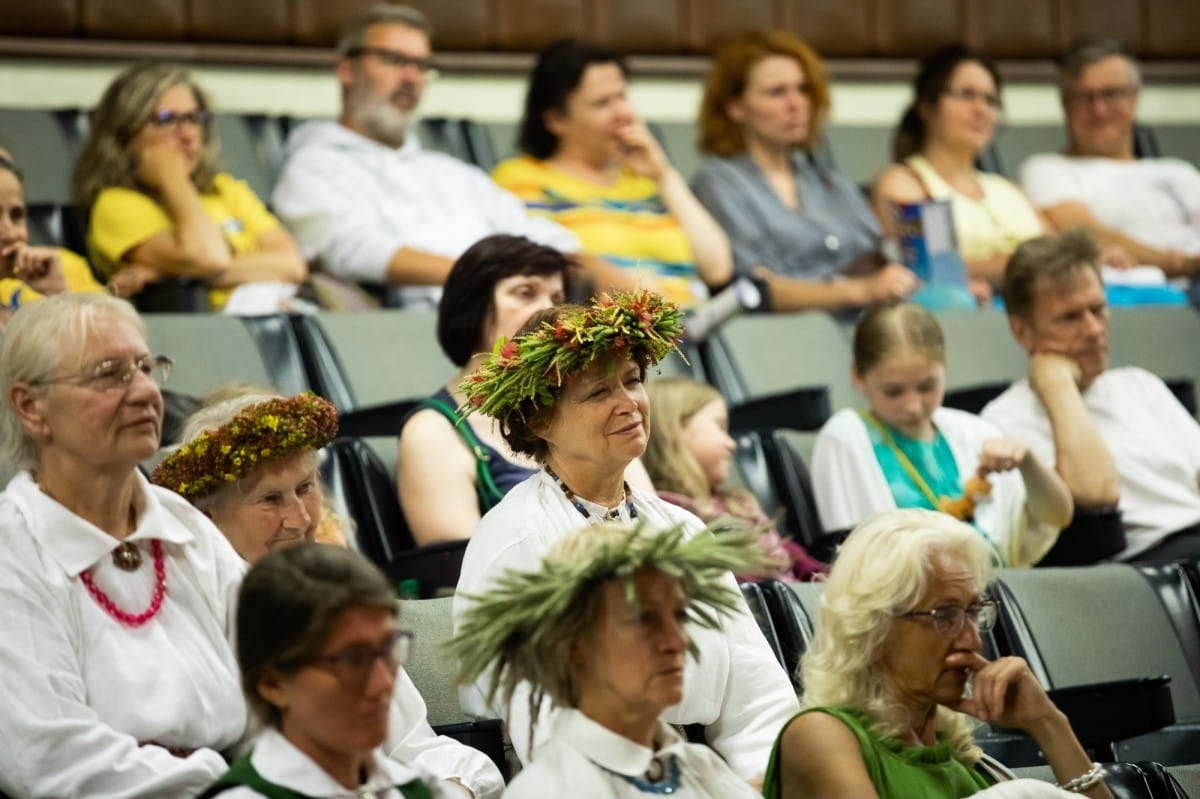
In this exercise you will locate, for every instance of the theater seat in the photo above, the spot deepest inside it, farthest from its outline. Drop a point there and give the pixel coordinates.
(359, 482)
(373, 385)
(214, 349)
(432, 671)
(1079, 626)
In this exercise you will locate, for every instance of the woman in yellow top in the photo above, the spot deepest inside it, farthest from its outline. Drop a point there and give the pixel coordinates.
(26, 272)
(159, 206)
(591, 165)
(950, 121)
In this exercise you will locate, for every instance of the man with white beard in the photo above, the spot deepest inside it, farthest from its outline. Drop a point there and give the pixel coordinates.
(367, 203)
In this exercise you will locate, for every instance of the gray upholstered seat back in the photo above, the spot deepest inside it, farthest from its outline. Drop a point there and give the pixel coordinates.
(431, 666)
(1102, 623)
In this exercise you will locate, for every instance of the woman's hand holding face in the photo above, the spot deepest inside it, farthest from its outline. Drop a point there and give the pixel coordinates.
(159, 164)
(1004, 692)
(641, 153)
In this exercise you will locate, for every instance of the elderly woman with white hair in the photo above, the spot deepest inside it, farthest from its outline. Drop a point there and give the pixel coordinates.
(117, 677)
(251, 464)
(886, 706)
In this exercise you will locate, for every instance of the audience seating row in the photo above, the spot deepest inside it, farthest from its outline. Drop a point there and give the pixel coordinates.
(781, 374)
(46, 142)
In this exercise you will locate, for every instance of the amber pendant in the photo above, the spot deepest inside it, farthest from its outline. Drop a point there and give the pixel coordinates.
(127, 557)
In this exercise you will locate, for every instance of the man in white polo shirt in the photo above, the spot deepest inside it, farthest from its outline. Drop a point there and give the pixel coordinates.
(1116, 436)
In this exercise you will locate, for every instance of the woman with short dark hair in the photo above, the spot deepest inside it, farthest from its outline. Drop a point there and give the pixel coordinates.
(452, 471)
(320, 649)
(591, 164)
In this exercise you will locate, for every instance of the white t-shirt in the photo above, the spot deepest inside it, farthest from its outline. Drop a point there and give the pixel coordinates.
(849, 484)
(738, 690)
(1154, 443)
(352, 203)
(1152, 200)
(584, 760)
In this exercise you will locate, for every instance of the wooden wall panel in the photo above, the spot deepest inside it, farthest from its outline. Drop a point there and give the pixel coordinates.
(640, 26)
(461, 24)
(163, 20)
(915, 28)
(842, 29)
(530, 25)
(713, 22)
(223, 21)
(319, 22)
(1004, 29)
(1172, 28)
(1089, 18)
(41, 18)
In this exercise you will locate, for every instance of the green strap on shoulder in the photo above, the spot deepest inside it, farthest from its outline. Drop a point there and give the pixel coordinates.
(243, 773)
(485, 488)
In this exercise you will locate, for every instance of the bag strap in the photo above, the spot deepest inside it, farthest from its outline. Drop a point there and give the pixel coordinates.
(485, 487)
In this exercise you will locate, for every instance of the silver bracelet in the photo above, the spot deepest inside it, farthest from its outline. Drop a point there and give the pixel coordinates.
(1085, 781)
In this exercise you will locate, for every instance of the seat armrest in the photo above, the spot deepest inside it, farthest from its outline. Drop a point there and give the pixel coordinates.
(1106, 712)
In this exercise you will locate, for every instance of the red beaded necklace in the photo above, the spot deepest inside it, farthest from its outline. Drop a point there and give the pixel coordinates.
(160, 591)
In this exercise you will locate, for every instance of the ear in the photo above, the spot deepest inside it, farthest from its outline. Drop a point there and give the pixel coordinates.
(345, 73)
(736, 111)
(856, 380)
(275, 689)
(1022, 331)
(30, 410)
(555, 121)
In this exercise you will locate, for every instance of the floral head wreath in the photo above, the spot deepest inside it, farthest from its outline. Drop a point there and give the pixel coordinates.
(638, 324)
(263, 431)
(516, 627)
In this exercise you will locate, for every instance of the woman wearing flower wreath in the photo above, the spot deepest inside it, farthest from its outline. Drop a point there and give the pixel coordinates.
(250, 463)
(600, 627)
(568, 391)
(116, 673)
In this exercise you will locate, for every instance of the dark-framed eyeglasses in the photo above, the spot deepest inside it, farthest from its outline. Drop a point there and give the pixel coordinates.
(352, 665)
(394, 58)
(174, 119)
(116, 373)
(1108, 95)
(966, 95)
(948, 620)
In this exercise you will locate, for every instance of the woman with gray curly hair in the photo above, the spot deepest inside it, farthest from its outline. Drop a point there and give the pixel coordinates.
(886, 706)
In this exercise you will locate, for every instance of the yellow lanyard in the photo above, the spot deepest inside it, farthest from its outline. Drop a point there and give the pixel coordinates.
(961, 508)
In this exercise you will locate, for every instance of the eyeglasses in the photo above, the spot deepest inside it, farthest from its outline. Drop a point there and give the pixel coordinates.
(352, 666)
(948, 620)
(971, 95)
(116, 373)
(1109, 95)
(394, 58)
(174, 119)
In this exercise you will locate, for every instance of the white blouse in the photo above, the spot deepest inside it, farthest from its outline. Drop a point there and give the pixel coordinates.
(585, 760)
(278, 761)
(88, 706)
(737, 690)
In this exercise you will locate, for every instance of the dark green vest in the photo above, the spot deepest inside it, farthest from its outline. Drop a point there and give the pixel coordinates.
(242, 773)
